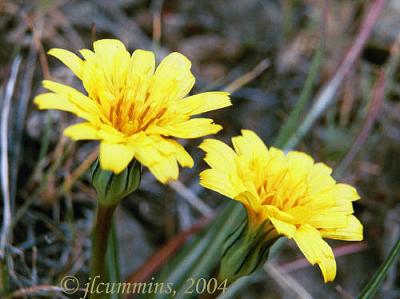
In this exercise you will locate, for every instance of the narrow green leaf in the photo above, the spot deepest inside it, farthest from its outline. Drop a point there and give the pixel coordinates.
(5, 277)
(373, 285)
(207, 262)
(295, 116)
(242, 283)
(198, 258)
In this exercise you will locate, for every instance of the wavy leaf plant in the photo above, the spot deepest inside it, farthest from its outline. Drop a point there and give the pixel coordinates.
(133, 109)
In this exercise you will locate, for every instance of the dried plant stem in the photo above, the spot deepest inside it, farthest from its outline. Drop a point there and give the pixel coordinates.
(327, 95)
(248, 77)
(383, 84)
(157, 6)
(286, 281)
(192, 198)
(4, 156)
(372, 115)
(80, 170)
(38, 289)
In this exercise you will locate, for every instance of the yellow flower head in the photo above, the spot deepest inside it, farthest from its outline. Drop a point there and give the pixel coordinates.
(132, 107)
(298, 196)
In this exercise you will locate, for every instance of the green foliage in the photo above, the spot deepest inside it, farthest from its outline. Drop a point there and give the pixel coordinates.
(295, 116)
(373, 285)
(200, 257)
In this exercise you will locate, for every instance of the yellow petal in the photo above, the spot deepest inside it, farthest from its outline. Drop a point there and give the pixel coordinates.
(111, 135)
(160, 155)
(115, 157)
(54, 101)
(320, 178)
(165, 170)
(275, 167)
(105, 46)
(299, 214)
(249, 144)
(147, 153)
(299, 163)
(110, 64)
(143, 63)
(324, 219)
(138, 83)
(250, 200)
(203, 102)
(345, 207)
(345, 192)
(283, 228)
(173, 69)
(217, 181)
(50, 100)
(86, 53)
(82, 131)
(319, 201)
(274, 212)
(219, 155)
(192, 128)
(74, 96)
(169, 148)
(352, 232)
(72, 61)
(174, 149)
(174, 60)
(316, 250)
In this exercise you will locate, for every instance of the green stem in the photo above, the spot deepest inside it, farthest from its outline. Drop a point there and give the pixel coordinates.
(113, 273)
(101, 229)
(4, 272)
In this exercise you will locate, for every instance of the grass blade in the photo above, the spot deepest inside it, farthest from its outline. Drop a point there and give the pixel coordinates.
(198, 259)
(294, 118)
(373, 285)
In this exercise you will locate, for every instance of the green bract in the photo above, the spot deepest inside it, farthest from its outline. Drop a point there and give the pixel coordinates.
(246, 250)
(111, 187)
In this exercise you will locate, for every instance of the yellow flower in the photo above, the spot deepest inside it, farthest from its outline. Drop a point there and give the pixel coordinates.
(133, 108)
(298, 196)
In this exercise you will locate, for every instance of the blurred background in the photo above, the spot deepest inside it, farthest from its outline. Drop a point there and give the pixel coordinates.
(261, 51)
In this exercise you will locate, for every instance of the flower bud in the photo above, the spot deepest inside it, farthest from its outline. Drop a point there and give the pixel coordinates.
(246, 249)
(111, 187)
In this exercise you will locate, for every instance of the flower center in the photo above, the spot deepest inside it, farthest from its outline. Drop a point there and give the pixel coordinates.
(281, 192)
(129, 116)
